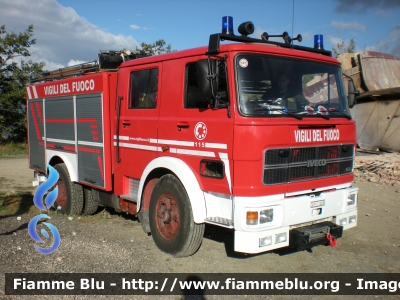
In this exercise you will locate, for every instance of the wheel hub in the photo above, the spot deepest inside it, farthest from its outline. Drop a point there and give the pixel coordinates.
(62, 194)
(167, 216)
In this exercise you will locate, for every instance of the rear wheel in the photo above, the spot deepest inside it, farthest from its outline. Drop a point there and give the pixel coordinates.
(70, 195)
(171, 219)
(90, 205)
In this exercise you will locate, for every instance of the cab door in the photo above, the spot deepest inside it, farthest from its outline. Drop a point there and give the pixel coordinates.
(138, 122)
(194, 132)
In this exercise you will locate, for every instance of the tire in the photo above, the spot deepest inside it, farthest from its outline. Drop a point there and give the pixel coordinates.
(70, 195)
(143, 217)
(89, 204)
(171, 219)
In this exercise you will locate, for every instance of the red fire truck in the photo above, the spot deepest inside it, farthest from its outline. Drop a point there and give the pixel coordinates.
(209, 135)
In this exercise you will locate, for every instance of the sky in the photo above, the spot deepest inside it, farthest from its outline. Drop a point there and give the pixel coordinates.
(74, 31)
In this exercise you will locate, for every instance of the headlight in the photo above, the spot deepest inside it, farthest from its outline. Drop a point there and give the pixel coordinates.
(269, 216)
(266, 215)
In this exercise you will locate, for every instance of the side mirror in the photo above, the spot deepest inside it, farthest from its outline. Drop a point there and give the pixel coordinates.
(352, 92)
(207, 77)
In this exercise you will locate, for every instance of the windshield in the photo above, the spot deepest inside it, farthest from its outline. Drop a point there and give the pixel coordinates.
(272, 86)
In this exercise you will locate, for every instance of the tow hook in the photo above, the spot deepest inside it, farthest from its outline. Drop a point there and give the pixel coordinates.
(332, 240)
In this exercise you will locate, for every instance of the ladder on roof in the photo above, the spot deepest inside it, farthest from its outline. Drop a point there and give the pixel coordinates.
(108, 60)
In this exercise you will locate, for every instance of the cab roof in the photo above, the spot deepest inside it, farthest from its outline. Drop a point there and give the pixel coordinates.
(259, 48)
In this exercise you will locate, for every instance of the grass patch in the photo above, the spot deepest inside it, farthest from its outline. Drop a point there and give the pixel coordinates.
(16, 204)
(14, 150)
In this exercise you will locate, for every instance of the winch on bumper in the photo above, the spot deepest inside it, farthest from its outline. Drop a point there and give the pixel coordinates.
(318, 234)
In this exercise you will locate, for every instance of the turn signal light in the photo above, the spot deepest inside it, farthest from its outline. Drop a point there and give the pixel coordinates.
(252, 218)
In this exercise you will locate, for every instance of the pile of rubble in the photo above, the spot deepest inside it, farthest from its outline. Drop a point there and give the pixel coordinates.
(383, 168)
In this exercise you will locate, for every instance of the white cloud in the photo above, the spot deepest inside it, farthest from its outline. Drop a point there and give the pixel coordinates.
(50, 66)
(341, 26)
(391, 45)
(62, 35)
(73, 62)
(138, 27)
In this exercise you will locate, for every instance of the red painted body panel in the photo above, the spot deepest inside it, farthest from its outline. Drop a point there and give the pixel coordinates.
(253, 137)
(109, 100)
(92, 83)
(104, 83)
(242, 140)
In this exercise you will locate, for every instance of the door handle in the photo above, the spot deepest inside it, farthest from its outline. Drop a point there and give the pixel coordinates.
(181, 125)
(126, 123)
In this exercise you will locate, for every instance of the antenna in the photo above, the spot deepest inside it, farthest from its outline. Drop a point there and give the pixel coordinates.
(292, 19)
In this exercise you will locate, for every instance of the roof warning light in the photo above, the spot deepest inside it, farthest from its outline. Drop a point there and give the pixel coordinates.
(227, 25)
(318, 41)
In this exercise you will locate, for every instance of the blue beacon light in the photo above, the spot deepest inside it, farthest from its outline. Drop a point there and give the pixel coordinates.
(318, 41)
(227, 25)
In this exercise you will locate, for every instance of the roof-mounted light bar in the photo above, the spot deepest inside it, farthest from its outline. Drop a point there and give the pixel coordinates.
(247, 28)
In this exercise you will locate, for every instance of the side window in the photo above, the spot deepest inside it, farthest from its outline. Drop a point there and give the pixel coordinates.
(193, 99)
(143, 85)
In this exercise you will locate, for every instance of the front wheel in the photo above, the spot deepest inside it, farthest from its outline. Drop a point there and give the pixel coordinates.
(171, 219)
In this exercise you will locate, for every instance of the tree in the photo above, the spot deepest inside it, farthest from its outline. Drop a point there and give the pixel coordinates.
(14, 77)
(342, 47)
(158, 47)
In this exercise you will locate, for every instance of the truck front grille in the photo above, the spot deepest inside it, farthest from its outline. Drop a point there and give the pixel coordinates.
(298, 164)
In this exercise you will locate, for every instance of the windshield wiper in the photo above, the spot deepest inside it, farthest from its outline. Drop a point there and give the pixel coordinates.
(285, 112)
(294, 115)
(340, 112)
(326, 117)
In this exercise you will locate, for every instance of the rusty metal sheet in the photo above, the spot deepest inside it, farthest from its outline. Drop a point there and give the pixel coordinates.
(380, 73)
(378, 125)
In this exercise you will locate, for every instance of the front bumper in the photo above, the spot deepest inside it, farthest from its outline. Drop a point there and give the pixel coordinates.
(295, 215)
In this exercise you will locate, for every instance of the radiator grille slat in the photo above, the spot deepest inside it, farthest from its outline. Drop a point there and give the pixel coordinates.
(298, 164)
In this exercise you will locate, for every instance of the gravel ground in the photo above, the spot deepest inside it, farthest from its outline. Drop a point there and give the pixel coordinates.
(109, 242)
